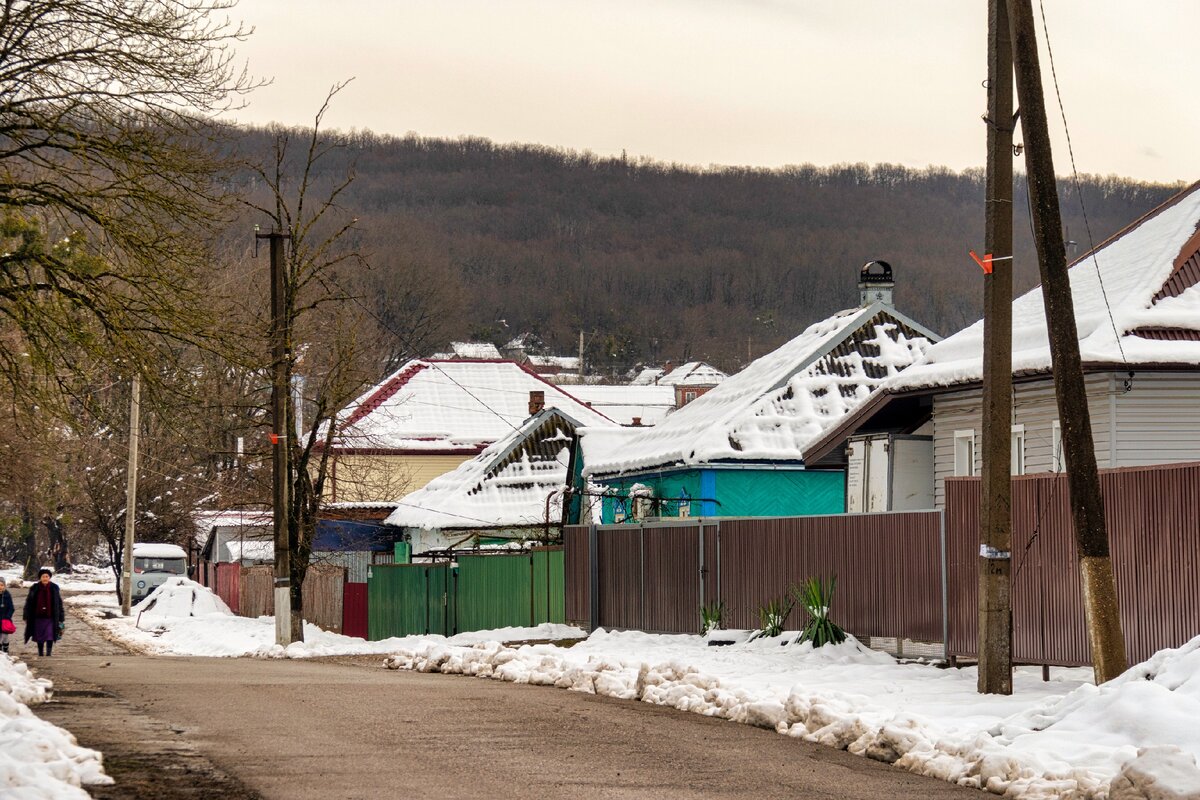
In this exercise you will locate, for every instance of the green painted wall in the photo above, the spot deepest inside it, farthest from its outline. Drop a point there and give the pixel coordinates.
(738, 492)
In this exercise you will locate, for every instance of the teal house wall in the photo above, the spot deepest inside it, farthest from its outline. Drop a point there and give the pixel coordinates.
(730, 492)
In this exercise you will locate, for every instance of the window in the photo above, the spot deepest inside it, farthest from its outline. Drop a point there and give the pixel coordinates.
(1018, 450)
(1056, 449)
(689, 396)
(964, 452)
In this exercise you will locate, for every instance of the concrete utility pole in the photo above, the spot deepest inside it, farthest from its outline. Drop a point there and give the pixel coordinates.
(995, 518)
(135, 402)
(279, 438)
(1087, 506)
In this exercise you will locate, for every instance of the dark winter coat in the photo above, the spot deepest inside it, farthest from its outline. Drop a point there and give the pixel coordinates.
(56, 605)
(7, 609)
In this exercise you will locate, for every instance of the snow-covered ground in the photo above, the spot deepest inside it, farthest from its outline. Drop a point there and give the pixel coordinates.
(183, 618)
(1135, 737)
(38, 760)
(83, 578)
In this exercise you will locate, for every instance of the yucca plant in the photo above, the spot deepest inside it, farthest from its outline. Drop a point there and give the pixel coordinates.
(816, 596)
(772, 616)
(711, 617)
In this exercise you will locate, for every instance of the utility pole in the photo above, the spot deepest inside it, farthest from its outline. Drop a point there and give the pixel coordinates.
(581, 355)
(995, 519)
(1083, 481)
(135, 400)
(279, 438)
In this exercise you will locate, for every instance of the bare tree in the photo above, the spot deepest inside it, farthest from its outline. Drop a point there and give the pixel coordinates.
(325, 323)
(108, 162)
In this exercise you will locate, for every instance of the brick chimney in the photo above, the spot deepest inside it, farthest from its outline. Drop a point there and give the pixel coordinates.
(537, 401)
(637, 422)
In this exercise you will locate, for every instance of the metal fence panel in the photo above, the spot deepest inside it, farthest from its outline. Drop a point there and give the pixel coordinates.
(494, 592)
(671, 596)
(1153, 516)
(356, 562)
(577, 601)
(548, 577)
(228, 580)
(619, 557)
(354, 610)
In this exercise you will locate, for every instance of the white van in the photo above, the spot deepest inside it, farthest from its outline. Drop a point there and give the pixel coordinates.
(153, 564)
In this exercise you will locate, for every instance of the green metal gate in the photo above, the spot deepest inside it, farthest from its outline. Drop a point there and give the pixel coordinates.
(407, 599)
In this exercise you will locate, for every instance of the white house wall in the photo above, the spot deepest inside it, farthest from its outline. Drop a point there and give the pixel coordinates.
(1158, 419)
(1034, 407)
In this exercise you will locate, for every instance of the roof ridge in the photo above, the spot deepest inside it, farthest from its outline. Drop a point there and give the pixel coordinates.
(384, 392)
(1154, 212)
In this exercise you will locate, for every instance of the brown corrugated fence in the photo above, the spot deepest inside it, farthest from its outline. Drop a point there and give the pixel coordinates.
(655, 577)
(1153, 516)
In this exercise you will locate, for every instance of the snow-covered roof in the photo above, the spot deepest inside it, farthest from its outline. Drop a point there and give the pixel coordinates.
(560, 362)
(779, 403)
(251, 549)
(621, 404)
(648, 376)
(230, 518)
(450, 406)
(484, 351)
(1147, 277)
(693, 373)
(507, 485)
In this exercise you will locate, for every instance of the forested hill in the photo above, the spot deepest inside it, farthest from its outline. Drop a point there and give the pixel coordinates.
(658, 261)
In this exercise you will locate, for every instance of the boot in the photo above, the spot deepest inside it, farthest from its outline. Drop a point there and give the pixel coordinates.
(4, 648)
(49, 649)
(41, 648)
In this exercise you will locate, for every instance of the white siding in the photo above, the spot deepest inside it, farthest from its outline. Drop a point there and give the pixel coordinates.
(1158, 420)
(1034, 406)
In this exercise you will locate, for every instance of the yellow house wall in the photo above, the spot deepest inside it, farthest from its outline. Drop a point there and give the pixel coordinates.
(368, 478)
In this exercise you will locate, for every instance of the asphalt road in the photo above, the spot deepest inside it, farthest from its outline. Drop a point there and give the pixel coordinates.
(240, 728)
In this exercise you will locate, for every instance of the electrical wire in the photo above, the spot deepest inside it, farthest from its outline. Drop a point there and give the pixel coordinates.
(1078, 189)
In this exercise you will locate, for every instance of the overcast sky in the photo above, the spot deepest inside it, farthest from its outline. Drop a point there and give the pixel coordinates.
(731, 82)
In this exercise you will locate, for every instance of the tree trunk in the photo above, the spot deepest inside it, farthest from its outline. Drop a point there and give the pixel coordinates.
(59, 547)
(29, 537)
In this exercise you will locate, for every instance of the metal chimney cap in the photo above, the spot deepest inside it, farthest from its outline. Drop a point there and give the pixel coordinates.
(868, 274)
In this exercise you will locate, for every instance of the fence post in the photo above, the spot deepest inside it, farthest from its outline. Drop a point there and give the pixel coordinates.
(593, 577)
(700, 541)
(642, 564)
(945, 584)
(720, 590)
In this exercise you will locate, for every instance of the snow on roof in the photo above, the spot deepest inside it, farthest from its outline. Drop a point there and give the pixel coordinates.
(507, 485)
(484, 351)
(693, 373)
(779, 403)
(458, 406)
(648, 376)
(562, 362)
(230, 518)
(621, 404)
(1149, 272)
(156, 550)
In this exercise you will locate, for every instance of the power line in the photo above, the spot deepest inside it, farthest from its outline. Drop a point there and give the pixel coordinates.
(1078, 190)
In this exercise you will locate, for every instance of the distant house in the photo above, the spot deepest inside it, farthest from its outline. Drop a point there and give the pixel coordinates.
(512, 490)
(740, 449)
(691, 380)
(430, 416)
(1137, 309)
(470, 351)
(628, 405)
(235, 536)
(647, 376)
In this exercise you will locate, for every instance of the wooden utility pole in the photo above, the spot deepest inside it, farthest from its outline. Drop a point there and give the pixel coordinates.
(995, 522)
(279, 438)
(581, 355)
(1083, 480)
(135, 402)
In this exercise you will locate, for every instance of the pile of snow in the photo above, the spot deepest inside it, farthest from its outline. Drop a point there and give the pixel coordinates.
(37, 759)
(181, 597)
(1065, 738)
(183, 618)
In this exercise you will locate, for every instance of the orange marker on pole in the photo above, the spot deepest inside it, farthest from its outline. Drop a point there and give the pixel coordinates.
(984, 263)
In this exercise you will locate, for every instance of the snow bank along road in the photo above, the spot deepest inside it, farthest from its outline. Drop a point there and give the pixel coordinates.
(351, 729)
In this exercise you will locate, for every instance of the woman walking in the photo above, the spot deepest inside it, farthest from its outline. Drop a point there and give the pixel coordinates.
(7, 609)
(44, 614)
